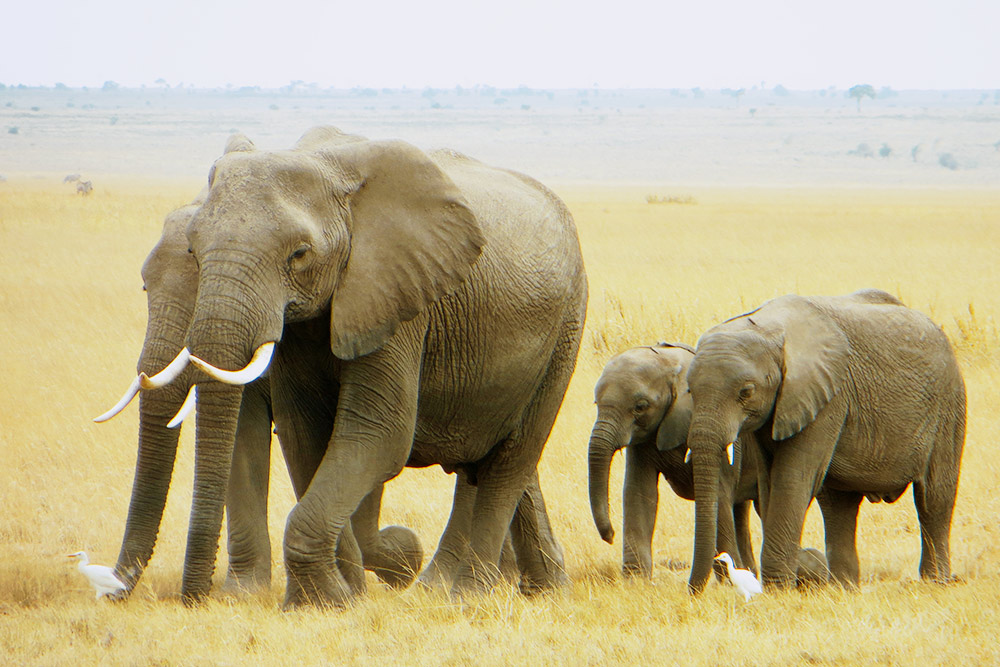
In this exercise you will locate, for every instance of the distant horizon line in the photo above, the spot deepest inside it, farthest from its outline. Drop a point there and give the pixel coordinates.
(302, 86)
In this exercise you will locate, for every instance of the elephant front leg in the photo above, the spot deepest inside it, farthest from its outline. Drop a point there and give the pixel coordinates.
(249, 544)
(640, 497)
(372, 436)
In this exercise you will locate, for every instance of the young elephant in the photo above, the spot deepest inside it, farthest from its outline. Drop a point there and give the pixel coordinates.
(850, 397)
(643, 405)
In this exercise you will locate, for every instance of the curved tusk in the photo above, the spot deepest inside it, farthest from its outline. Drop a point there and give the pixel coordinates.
(687, 456)
(186, 408)
(130, 393)
(729, 453)
(258, 364)
(168, 374)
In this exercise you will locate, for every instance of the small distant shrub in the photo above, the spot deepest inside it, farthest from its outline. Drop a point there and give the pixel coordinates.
(36, 108)
(13, 129)
(114, 120)
(273, 107)
(915, 152)
(863, 150)
(948, 161)
(885, 151)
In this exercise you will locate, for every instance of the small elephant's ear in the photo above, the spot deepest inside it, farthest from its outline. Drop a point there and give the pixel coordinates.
(673, 430)
(413, 240)
(814, 365)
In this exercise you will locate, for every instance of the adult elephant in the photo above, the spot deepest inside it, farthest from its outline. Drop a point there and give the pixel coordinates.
(849, 397)
(170, 280)
(438, 303)
(643, 405)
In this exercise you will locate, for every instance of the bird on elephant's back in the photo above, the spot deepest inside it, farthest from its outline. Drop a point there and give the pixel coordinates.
(453, 296)
(848, 397)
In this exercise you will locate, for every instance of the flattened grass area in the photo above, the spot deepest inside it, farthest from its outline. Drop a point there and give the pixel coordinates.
(73, 317)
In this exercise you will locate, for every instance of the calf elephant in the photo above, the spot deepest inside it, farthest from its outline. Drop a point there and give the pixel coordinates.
(429, 310)
(848, 397)
(643, 406)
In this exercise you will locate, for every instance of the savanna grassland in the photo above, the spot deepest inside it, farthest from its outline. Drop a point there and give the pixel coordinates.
(72, 317)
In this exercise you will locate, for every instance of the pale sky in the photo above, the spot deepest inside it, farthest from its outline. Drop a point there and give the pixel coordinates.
(801, 44)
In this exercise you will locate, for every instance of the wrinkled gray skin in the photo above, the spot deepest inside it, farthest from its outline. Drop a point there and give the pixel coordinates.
(170, 277)
(849, 397)
(389, 276)
(643, 405)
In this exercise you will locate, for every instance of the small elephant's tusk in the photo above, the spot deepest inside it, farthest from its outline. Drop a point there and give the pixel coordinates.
(186, 407)
(258, 364)
(168, 374)
(729, 453)
(687, 456)
(130, 393)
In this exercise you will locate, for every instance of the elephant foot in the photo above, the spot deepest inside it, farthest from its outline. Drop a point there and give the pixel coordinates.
(531, 586)
(317, 587)
(812, 569)
(400, 557)
(474, 581)
(241, 583)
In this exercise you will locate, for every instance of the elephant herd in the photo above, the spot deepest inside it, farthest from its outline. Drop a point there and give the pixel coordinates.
(384, 307)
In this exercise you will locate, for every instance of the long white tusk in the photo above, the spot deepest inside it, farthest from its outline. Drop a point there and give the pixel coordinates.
(130, 393)
(168, 374)
(186, 408)
(258, 364)
(729, 453)
(687, 456)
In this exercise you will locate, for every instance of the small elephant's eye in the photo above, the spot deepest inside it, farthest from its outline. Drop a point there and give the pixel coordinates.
(299, 253)
(190, 250)
(641, 406)
(746, 391)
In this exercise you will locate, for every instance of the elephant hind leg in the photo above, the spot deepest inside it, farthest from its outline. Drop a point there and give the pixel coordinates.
(539, 556)
(394, 553)
(506, 473)
(934, 497)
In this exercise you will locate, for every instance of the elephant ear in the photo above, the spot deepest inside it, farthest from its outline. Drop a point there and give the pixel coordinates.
(413, 240)
(673, 430)
(815, 353)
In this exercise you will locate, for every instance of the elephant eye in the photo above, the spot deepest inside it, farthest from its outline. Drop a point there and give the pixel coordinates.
(746, 391)
(641, 406)
(299, 253)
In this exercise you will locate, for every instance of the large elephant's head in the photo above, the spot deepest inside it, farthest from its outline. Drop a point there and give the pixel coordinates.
(641, 397)
(775, 369)
(366, 234)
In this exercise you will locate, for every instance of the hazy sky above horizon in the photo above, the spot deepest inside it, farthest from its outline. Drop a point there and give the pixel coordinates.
(916, 44)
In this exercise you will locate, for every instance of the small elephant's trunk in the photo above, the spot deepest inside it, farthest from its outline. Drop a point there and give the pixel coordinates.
(604, 442)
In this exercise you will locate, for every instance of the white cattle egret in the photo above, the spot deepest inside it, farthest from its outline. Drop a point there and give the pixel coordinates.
(101, 577)
(744, 580)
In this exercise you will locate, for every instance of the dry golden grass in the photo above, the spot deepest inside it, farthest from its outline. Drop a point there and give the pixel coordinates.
(72, 322)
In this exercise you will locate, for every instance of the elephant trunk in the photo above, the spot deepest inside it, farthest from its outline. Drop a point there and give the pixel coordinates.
(605, 439)
(157, 444)
(218, 412)
(707, 446)
(228, 325)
